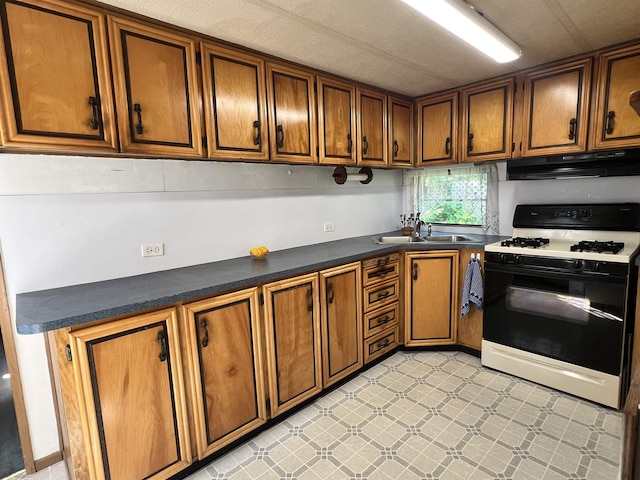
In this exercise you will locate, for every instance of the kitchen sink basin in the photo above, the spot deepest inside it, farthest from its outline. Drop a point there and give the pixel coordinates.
(448, 238)
(398, 239)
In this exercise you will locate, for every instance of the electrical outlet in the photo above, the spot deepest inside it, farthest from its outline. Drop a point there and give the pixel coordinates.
(153, 249)
(329, 227)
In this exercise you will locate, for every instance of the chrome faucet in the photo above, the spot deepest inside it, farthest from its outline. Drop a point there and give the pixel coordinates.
(416, 228)
(429, 230)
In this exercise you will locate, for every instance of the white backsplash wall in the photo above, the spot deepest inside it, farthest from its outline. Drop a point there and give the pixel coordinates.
(69, 220)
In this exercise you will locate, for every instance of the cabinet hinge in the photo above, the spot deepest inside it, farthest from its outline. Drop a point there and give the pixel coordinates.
(67, 351)
(261, 299)
(198, 58)
(205, 144)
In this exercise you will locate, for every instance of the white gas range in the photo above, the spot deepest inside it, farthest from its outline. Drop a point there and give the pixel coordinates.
(560, 298)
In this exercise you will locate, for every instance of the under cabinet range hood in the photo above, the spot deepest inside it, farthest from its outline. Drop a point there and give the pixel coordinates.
(581, 165)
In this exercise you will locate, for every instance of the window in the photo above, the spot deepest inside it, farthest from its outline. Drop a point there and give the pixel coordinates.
(455, 196)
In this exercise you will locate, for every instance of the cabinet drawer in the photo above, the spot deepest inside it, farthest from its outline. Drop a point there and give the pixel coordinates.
(382, 294)
(382, 260)
(381, 319)
(378, 273)
(380, 344)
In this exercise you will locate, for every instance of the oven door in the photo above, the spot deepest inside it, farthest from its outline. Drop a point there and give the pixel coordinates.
(573, 317)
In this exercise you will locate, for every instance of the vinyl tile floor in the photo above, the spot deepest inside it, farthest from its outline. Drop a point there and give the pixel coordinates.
(428, 415)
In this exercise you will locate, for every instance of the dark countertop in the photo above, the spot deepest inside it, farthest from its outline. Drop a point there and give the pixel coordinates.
(46, 310)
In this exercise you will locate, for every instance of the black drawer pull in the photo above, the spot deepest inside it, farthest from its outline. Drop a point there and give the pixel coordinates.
(95, 122)
(382, 273)
(384, 294)
(279, 137)
(162, 338)
(205, 336)
(382, 261)
(383, 343)
(383, 320)
(572, 128)
(138, 109)
(396, 148)
(257, 140)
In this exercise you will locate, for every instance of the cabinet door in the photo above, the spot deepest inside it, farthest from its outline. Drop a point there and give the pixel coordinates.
(372, 127)
(336, 122)
(234, 104)
(156, 89)
(469, 326)
(556, 103)
(225, 354)
(341, 322)
(400, 133)
(131, 392)
(293, 128)
(616, 123)
(55, 82)
(431, 298)
(292, 315)
(438, 130)
(487, 120)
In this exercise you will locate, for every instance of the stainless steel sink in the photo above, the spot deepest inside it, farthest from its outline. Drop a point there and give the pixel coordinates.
(448, 238)
(397, 239)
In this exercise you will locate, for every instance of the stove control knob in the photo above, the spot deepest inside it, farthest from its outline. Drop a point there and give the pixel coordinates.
(597, 267)
(578, 264)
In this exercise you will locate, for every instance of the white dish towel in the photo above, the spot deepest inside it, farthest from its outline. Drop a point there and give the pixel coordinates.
(472, 288)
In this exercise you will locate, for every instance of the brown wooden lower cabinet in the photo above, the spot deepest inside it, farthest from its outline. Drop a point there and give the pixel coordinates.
(292, 326)
(125, 389)
(225, 358)
(431, 297)
(124, 398)
(469, 326)
(341, 313)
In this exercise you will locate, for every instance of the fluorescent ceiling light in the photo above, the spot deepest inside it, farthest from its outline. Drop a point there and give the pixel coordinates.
(462, 20)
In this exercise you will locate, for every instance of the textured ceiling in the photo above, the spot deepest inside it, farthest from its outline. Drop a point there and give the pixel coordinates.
(387, 44)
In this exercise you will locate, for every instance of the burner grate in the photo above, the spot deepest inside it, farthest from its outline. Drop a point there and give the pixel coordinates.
(526, 242)
(597, 247)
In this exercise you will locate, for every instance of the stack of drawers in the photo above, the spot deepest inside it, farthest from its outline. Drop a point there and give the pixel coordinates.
(381, 306)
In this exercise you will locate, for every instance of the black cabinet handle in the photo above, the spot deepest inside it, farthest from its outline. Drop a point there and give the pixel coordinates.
(383, 320)
(138, 109)
(365, 146)
(279, 136)
(447, 146)
(383, 343)
(415, 271)
(330, 293)
(384, 294)
(470, 143)
(396, 148)
(257, 139)
(382, 272)
(572, 128)
(610, 116)
(205, 336)
(95, 119)
(162, 338)
(350, 144)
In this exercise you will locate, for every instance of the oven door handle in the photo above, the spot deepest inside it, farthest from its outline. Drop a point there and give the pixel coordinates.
(535, 271)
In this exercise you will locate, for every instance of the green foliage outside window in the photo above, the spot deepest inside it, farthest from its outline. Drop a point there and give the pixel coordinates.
(458, 199)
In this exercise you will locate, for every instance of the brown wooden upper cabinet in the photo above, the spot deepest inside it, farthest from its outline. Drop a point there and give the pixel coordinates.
(156, 84)
(615, 122)
(487, 121)
(234, 104)
(293, 127)
(55, 79)
(401, 150)
(372, 128)
(437, 129)
(336, 121)
(556, 109)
